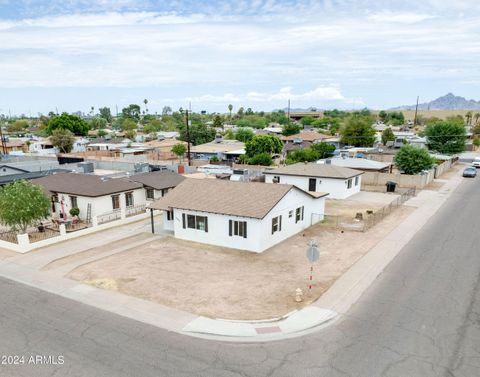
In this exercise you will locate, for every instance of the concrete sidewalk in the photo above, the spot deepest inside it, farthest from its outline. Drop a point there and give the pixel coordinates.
(331, 305)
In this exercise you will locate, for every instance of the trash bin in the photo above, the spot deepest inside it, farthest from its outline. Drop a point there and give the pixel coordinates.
(391, 186)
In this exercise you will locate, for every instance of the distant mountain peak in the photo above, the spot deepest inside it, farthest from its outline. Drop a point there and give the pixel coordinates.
(447, 102)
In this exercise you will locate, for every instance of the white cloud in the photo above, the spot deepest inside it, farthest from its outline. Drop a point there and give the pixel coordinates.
(399, 17)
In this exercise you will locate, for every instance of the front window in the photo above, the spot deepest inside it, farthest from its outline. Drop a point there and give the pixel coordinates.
(195, 222)
(115, 201)
(150, 193)
(349, 184)
(299, 214)
(169, 215)
(276, 224)
(129, 199)
(237, 228)
(73, 202)
(356, 181)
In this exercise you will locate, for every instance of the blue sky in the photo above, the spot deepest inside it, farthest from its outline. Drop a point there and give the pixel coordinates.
(74, 54)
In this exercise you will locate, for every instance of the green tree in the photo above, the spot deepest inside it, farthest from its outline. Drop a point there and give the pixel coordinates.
(101, 133)
(290, 129)
(447, 136)
(22, 204)
(179, 150)
(358, 131)
(307, 121)
(97, 122)
(132, 111)
(324, 150)
(145, 101)
(412, 160)
(264, 159)
(129, 125)
(167, 110)
(199, 133)
(387, 135)
(105, 113)
(18, 126)
(244, 135)
(217, 121)
(69, 122)
(263, 144)
(468, 118)
(383, 116)
(241, 112)
(477, 117)
(230, 108)
(63, 140)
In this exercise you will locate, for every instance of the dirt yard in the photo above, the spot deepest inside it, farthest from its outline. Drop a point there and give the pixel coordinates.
(230, 284)
(360, 202)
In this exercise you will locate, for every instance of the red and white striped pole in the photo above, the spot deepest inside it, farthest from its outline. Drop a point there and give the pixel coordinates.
(311, 273)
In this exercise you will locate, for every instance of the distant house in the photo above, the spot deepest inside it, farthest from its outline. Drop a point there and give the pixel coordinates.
(338, 182)
(361, 164)
(242, 215)
(162, 149)
(157, 183)
(6, 179)
(306, 136)
(224, 150)
(42, 146)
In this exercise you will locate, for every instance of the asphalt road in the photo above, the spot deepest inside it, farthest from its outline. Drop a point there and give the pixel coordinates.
(421, 317)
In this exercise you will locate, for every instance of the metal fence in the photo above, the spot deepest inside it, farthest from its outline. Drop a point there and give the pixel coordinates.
(135, 210)
(9, 236)
(46, 233)
(367, 220)
(109, 216)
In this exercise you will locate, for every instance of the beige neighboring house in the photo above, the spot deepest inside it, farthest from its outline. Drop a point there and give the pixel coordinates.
(307, 136)
(243, 215)
(162, 149)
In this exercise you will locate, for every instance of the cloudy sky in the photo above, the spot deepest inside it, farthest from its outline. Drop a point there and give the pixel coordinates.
(74, 54)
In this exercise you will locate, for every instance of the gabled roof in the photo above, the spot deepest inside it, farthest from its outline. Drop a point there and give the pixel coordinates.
(244, 199)
(158, 179)
(85, 185)
(5, 179)
(315, 170)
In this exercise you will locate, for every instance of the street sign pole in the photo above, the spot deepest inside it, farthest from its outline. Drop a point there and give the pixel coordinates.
(312, 254)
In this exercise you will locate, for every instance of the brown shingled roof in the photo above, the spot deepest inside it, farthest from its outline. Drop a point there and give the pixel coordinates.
(245, 199)
(315, 170)
(158, 179)
(85, 185)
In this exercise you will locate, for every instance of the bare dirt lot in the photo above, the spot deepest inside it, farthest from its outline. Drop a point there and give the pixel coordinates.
(225, 283)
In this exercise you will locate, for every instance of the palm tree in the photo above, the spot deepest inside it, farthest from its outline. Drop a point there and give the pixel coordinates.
(145, 101)
(477, 116)
(468, 118)
(230, 108)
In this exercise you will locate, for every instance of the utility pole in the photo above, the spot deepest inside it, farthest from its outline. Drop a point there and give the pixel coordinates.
(288, 111)
(415, 118)
(188, 137)
(2, 140)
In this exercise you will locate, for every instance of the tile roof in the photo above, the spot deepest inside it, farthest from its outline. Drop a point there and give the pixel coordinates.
(315, 170)
(245, 199)
(158, 179)
(85, 185)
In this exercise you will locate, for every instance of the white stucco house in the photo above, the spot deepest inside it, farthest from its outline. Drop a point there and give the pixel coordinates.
(118, 197)
(338, 182)
(249, 216)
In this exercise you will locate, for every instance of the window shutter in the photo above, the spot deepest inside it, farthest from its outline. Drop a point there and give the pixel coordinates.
(244, 229)
(280, 223)
(302, 211)
(273, 231)
(230, 228)
(183, 221)
(206, 224)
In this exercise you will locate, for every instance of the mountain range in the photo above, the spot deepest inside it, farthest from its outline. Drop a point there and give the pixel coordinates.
(446, 102)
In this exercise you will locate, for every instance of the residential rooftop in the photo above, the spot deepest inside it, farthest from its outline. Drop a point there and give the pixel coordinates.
(158, 180)
(315, 170)
(85, 185)
(244, 199)
(356, 163)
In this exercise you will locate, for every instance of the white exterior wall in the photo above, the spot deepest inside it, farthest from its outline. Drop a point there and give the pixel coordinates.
(100, 205)
(259, 232)
(336, 188)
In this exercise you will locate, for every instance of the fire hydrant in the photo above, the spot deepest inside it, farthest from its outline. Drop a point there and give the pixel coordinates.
(298, 295)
